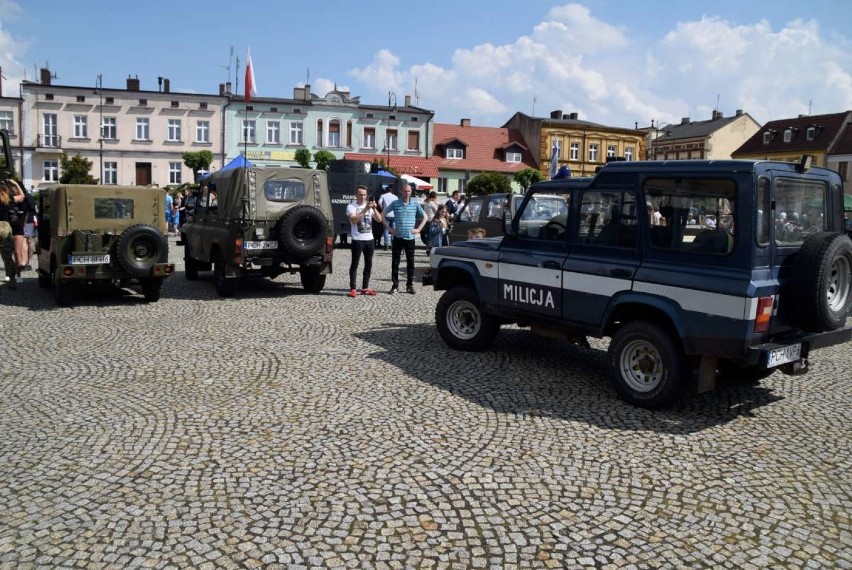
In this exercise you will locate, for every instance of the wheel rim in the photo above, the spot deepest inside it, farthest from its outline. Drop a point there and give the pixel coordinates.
(464, 320)
(641, 366)
(838, 284)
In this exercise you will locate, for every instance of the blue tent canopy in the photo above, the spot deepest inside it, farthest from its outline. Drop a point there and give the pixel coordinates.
(239, 162)
(384, 173)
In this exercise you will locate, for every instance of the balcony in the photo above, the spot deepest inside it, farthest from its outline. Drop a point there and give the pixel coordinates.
(48, 142)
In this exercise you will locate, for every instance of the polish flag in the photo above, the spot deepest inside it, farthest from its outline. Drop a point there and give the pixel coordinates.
(250, 85)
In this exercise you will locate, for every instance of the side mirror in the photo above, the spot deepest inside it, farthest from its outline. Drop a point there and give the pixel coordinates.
(507, 224)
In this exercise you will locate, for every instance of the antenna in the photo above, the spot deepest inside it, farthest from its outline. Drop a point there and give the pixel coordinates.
(228, 67)
(237, 77)
(717, 101)
(308, 77)
(416, 94)
(810, 104)
(533, 108)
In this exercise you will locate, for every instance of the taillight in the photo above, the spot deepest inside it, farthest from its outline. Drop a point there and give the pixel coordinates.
(329, 244)
(764, 314)
(238, 246)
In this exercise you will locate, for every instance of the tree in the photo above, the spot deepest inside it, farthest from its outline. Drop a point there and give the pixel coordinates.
(527, 177)
(197, 161)
(323, 158)
(75, 170)
(488, 183)
(303, 157)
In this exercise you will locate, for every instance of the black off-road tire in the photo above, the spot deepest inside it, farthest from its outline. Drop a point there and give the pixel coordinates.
(151, 287)
(63, 293)
(647, 365)
(139, 247)
(224, 286)
(312, 280)
(190, 266)
(462, 323)
(302, 231)
(823, 286)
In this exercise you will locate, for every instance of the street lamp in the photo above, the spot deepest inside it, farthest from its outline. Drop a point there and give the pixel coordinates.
(391, 97)
(99, 87)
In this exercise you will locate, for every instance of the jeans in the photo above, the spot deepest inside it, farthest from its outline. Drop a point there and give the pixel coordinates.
(397, 248)
(359, 246)
(387, 233)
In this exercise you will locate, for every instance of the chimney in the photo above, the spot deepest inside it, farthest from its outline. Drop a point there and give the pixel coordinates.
(465, 122)
(133, 83)
(739, 112)
(228, 88)
(307, 92)
(408, 100)
(556, 114)
(45, 76)
(684, 121)
(573, 116)
(717, 115)
(221, 89)
(166, 85)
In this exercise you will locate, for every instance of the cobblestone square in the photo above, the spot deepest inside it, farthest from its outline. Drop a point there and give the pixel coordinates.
(282, 429)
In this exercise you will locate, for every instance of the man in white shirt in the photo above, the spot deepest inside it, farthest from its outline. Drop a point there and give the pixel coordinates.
(361, 214)
(386, 200)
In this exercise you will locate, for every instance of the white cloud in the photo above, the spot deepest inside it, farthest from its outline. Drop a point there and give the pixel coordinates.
(11, 48)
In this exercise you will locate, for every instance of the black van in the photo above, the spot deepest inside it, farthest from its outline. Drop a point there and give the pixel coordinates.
(346, 175)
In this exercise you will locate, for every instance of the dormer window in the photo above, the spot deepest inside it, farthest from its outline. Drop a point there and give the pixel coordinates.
(788, 135)
(767, 136)
(513, 156)
(454, 153)
(810, 134)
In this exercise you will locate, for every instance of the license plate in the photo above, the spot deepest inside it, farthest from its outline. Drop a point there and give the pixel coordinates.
(89, 259)
(260, 245)
(784, 355)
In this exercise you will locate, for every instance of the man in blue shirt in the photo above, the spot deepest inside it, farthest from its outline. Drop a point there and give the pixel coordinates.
(405, 213)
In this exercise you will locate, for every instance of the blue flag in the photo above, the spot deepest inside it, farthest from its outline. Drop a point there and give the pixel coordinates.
(554, 158)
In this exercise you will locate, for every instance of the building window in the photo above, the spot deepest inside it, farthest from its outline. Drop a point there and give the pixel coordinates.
(628, 153)
(81, 98)
(513, 157)
(788, 135)
(370, 137)
(110, 174)
(175, 104)
(174, 130)
(109, 100)
(319, 133)
(6, 121)
(273, 132)
(249, 127)
(48, 96)
(413, 141)
(593, 152)
(143, 102)
(175, 169)
(392, 142)
(108, 129)
(767, 136)
(143, 129)
(454, 153)
(334, 134)
(810, 134)
(610, 151)
(296, 129)
(202, 105)
(202, 132)
(51, 170)
(574, 151)
(273, 109)
(81, 126)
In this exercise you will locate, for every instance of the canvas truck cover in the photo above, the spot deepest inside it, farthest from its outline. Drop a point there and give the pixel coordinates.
(107, 209)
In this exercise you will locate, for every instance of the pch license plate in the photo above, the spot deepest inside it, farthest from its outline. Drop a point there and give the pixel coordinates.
(784, 355)
(255, 245)
(89, 259)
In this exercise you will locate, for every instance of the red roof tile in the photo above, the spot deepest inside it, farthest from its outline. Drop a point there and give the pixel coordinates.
(828, 129)
(414, 165)
(484, 150)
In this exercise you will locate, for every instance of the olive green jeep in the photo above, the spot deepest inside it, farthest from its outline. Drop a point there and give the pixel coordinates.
(260, 221)
(91, 234)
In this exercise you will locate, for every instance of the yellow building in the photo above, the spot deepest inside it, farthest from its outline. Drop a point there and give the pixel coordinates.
(582, 146)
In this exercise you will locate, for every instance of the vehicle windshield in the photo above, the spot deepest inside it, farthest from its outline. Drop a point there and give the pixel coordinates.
(545, 216)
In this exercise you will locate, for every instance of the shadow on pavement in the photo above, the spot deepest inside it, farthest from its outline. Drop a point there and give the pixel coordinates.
(525, 374)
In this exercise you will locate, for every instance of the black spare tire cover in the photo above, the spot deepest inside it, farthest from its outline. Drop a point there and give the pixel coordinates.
(823, 281)
(140, 247)
(302, 231)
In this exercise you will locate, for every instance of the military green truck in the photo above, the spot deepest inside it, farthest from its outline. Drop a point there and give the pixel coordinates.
(95, 235)
(260, 221)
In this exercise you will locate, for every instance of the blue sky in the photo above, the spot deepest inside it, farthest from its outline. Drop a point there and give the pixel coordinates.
(613, 62)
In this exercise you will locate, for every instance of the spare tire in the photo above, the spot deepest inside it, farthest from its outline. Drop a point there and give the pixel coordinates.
(823, 278)
(139, 247)
(302, 231)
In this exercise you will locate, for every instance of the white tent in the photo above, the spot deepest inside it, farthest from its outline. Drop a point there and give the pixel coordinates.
(419, 184)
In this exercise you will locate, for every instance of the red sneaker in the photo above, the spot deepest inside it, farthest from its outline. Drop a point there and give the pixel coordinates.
(367, 291)
(352, 293)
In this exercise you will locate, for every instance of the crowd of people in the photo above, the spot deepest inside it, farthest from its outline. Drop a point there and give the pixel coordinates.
(17, 231)
(179, 209)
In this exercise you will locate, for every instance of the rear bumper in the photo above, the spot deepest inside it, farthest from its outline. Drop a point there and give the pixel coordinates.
(758, 355)
(107, 272)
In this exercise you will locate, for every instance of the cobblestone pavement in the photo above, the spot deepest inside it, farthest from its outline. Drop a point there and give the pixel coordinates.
(281, 428)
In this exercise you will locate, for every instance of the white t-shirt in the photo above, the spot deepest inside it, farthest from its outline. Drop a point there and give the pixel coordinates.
(386, 200)
(363, 230)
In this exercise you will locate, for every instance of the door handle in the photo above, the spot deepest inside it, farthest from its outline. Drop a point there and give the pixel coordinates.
(550, 264)
(620, 273)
